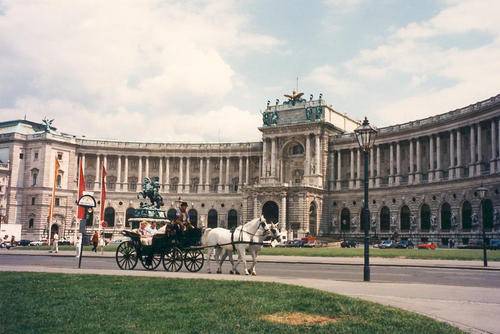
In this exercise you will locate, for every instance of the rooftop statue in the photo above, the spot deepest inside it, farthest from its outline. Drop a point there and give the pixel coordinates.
(295, 97)
(47, 123)
(150, 189)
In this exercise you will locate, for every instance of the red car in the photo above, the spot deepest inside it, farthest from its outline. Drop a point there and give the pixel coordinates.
(427, 245)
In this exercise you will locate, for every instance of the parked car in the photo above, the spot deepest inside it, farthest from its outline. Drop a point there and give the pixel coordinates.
(495, 244)
(473, 244)
(42, 242)
(24, 242)
(5, 244)
(405, 244)
(349, 244)
(297, 243)
(427, 245)
(387, 244)
(64, 241)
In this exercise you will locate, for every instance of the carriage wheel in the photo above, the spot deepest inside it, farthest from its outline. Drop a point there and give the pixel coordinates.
(151, 262)
(126, 256)
(172, 259)
(193, 260)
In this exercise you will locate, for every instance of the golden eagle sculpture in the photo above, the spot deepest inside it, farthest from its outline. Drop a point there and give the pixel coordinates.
(294, 97)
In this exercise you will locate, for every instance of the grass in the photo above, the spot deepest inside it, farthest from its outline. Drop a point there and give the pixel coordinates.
(57, 303)
(423, 254)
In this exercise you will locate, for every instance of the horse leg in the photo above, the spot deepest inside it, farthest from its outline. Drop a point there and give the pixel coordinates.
(209, 253)
(233, 269)
(221, 260)
(254, 262)
(218, 251)
(242, 253)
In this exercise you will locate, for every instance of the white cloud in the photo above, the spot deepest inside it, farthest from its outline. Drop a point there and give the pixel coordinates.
(125, 66)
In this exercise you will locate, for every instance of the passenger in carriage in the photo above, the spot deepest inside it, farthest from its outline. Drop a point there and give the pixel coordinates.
(182, 218)
(146, 237)
(151, 229)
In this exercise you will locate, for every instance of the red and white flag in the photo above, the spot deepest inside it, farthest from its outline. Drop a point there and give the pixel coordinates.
(103, 193)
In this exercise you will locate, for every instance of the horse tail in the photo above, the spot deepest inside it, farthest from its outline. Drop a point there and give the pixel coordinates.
(205, 236)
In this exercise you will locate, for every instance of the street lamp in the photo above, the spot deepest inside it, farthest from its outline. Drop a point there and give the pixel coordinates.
(482, 195)
(365, 134)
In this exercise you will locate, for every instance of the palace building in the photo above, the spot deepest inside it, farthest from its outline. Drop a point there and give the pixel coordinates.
(305, 173)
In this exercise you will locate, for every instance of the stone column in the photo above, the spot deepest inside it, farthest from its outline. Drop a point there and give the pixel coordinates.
(307, 169)
(318, 155)
(97, 173)
(479, 150)
(493, 147)
(391, 163)
(221, 165)
(125, 174)
(472, 164)
(451, 167)
(431, 158)
(160, 172)
(379, 172)
(240, 174)
(139, 177)
(358, 169)
(207, 178)
(398, 164)
(273, 158)
(351, 178)
(167, 174)
(247, 171)
(147, 167)
(228, 163)
(188, 175)
(264, 158)
(412, 170)
(181, 175)
(439, 173)
(459, 168)
(119, 174)
(332, 170)
(339, 170)
(256, 213)
(200, 185)
(282, 226)
(418, 171)
(259, 161)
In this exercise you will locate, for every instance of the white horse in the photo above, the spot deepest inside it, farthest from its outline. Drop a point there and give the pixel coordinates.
(249, 236)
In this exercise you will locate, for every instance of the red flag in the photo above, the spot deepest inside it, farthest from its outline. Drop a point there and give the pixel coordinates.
(81, 189)
(103, 192)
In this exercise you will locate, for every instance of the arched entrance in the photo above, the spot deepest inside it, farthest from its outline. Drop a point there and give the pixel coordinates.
(109, 216)
(385, 219)
(53, 230)
(488, 214)
(425, 217)
(445, 216)
(345, 220)
(129, 214)
(312, 219)
(466, 216)
(271, 212)
(171, 214)
(212, 218)
(232, 219)
(405, 218)
(193, 217)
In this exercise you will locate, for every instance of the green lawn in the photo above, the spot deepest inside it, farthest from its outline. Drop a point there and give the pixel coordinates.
(438, 254)
(56, 303)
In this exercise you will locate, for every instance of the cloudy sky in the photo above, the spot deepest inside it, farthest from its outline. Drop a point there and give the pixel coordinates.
(203, 70)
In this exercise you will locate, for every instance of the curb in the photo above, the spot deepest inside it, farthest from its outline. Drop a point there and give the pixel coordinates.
(106, 256)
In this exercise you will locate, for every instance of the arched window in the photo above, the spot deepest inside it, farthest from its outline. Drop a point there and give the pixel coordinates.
(109, 216)
(385, 219)
(34, 176)
(31, 222)
(193, 217)
(466, 216)
(212, 218)
(425, 217)
(271, 212)
(312, 219)
(129, 214)
(59, 181)
(445, 216)
(232, 219)
(296, 149)
(171, 214)
(405, 218)
(345, 220)
(488, 214)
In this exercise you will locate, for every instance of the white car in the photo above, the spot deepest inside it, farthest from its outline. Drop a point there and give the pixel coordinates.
(38, 243)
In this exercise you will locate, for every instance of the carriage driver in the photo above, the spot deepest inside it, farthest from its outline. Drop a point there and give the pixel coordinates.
(182, 217)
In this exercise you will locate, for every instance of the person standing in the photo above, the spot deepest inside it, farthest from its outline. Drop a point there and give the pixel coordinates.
(55, 243)
(102, 243)
(95, 241)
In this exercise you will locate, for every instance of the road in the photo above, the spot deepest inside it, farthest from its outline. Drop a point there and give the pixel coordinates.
(379, 274)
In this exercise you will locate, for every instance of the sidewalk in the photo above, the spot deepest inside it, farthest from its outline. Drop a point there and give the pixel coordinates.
(374, 261)
(474, 310)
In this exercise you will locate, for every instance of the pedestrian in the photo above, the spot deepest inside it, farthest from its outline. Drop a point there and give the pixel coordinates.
(102, 243)
(452, 243)
(55, 243)
(95, 241)
(78, 245)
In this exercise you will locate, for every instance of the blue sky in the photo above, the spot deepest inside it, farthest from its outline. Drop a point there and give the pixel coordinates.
(203, 70)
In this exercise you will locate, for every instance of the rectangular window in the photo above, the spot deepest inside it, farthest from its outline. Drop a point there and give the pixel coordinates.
(33, 199)
(57, 201)
(36, 155)
(21, 155)
(59, 156)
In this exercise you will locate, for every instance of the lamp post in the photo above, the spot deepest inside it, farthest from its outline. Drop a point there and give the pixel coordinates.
(482, 195)
(365, 134)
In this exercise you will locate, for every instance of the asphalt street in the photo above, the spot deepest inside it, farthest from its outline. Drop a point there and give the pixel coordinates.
(386, 274)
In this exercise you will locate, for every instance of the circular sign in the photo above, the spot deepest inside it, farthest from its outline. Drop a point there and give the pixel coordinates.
(87, 201)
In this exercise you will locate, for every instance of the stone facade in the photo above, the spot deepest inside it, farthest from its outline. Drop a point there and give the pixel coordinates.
(305, 174)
